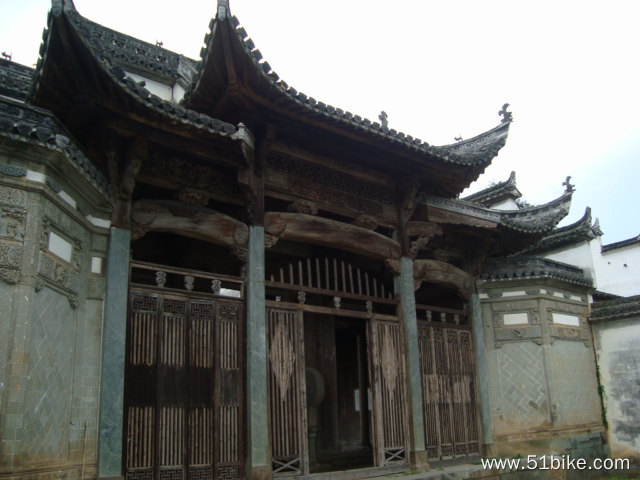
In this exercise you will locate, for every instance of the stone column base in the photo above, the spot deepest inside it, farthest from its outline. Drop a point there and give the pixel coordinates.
(419, 460)
(259, 473)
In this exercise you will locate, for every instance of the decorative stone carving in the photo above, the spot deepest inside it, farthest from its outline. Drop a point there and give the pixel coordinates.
(302, 297)
(10, 254)
(38, 284)
(12, 197)
(216, 285)
(336, 302)
(366, 221)
(10, 275)
(189, 281)
(73, 301)
(303, 206)
(12, 171)
(12, 222)
(53, 185)
(193, 196)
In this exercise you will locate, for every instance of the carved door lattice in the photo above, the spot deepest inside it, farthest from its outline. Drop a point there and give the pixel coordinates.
(287, 396)
(387, 375)
(448, 380)
(183, 397)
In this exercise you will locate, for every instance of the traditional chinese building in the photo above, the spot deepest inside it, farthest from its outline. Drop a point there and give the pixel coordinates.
(208, 274)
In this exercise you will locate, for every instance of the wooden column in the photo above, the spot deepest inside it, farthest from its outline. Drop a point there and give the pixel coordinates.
(403, 285)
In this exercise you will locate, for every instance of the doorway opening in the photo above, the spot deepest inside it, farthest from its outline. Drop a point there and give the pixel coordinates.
(338, 393)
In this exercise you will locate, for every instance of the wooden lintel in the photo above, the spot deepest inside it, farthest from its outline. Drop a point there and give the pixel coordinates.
(362, 172)
(330, 233)
(442, 273)
(189, 220)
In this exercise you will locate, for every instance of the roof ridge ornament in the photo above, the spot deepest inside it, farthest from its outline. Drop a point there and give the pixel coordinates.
(223, 10)
(507, 117)
(383, 117)
(569, 187)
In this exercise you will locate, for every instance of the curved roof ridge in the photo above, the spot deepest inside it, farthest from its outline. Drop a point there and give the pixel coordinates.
(532, 267)
(622, 243)
(540, 218)
(494, 193)
(139, 93)
(475, 152)
(35, 125)
(580, 230)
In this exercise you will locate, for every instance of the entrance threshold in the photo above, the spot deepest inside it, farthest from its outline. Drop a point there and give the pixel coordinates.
(357, 474)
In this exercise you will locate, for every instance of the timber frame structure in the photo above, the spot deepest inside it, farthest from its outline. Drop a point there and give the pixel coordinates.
(288, 288)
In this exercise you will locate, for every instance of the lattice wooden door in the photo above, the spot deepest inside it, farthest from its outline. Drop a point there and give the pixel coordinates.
(287, 400)
(448, 376)
(183, 381)
(387, 373)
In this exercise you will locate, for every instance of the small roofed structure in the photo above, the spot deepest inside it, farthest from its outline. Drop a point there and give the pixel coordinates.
(502, 195)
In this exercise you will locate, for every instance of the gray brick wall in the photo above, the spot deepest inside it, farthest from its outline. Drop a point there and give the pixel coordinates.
(50, 335)
(573, 384)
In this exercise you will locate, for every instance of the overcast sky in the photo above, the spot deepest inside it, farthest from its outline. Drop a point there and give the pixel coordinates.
(440, 69)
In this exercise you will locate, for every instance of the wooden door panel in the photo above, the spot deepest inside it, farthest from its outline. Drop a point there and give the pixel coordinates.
(183, 388)
(287, 396)
(387, 376)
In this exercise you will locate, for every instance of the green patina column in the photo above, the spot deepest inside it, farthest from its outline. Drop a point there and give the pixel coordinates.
(114, 333)
(258, 461)
(481, 369)
(404, 287)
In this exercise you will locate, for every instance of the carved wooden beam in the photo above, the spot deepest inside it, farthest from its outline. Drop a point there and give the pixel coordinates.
(443, 273)
(190, 221)
(122, 171)
(330, 233)
(409, 194)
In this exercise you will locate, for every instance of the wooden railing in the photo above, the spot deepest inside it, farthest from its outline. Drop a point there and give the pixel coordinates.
(181, 280)
(449, 316)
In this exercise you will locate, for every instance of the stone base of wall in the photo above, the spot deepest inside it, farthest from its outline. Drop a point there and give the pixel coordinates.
(53, 472)
(588, 445)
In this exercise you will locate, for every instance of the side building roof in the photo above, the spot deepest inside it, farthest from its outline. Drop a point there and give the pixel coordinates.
(621, 244)
(496, 193)
(584, 229)
(618, 309)
(15, 79)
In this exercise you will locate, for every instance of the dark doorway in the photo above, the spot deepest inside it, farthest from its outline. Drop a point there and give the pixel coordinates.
(338, 406)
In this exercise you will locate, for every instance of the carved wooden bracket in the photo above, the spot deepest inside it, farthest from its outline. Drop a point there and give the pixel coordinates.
(366, 221)
(193, 196)
(122, 175)
(303, 206)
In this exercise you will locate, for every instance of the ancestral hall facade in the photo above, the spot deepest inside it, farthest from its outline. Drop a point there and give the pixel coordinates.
(208, 274)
